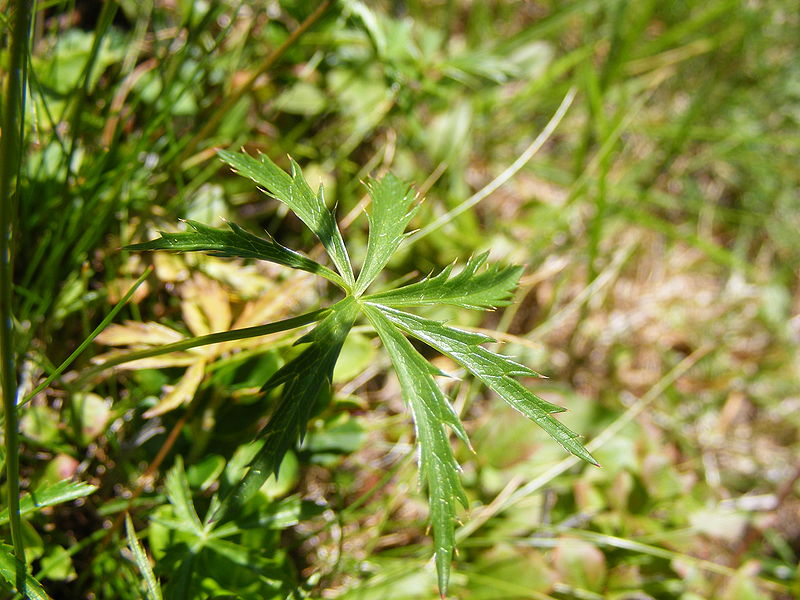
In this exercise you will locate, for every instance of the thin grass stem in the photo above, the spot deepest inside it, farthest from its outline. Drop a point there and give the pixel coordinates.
(89, 339)
(504, 177)
(11, 145)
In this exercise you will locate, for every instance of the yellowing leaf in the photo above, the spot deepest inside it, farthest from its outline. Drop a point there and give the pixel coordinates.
(170, 267)
(248, 281)
(174, 359)
(206, 306)
(183, 392)
(134, 334)
(118, 287)
(277, 302)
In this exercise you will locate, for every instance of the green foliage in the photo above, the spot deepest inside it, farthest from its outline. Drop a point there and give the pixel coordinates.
(494, 370)
(152, 586)
(303, 379)
(41, 498)
(432, 414)
(293, 190)
(9, 566)
(470, 288)
(306, 376)
(236, 242)
(388, 220)
(50, 495)
(191, 550)
(659, 223)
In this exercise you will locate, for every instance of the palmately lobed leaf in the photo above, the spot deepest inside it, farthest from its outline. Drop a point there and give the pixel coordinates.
(294, 192)
(476, 286)
(388, 219)
(431, 412)
(470, 288)
(236, 243)
(494, 370)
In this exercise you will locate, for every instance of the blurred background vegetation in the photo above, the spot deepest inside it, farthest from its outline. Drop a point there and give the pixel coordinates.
(658, 225)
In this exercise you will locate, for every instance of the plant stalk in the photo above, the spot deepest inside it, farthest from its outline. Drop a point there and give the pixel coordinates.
(211, 338)
(10, 160)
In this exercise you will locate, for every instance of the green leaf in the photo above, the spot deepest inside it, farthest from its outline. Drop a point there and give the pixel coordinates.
(176, 524)
(388, 219)
(56, 564)
(234, 243)
(431, 412)
(469, 289)
(303, 379)
(176, 486)
(270, 567)
(8, 571)
(139, 555)
(179, 585)
(494, 370)
(276, 515)
(293, 190)
(63, 491)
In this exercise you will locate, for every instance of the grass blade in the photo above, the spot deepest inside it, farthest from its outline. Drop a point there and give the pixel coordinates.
(212, 338)
(90, 338)
(11, 144)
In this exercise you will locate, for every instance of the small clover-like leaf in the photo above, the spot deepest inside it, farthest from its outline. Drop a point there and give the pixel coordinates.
(235, 243)
(387, 221)
(470, 288)
(494, 370)
(293, 190)
(431, 412)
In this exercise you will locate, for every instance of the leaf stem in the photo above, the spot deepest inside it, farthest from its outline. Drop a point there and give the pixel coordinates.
(212, 338)
(10, 157)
